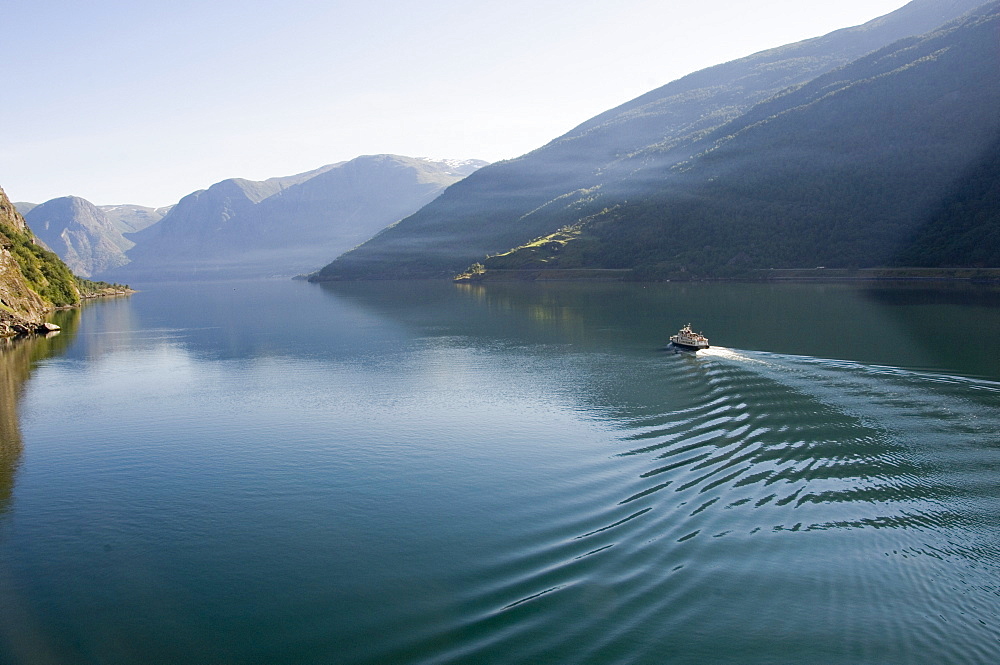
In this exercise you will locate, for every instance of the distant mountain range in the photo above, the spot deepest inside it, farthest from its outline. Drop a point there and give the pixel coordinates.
(854, 149)
(90, 239)
(872, 146)
(241, 228)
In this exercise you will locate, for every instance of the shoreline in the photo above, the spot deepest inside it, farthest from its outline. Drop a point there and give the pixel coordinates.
(984, 276)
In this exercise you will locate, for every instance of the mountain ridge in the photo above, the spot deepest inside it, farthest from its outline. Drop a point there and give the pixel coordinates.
(80, 233)
(285, 225)
(89, 238)
(503, 205)
(842, 171)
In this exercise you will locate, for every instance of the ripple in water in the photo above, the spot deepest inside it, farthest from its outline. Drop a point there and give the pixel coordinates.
(779, 509)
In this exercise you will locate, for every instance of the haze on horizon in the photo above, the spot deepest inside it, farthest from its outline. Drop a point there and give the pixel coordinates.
(122, 102)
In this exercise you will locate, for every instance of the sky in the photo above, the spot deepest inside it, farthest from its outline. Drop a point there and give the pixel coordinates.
(145, 102)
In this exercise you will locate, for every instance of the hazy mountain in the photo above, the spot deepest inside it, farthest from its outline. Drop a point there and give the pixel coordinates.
(286, 225)
(80, 233)
(846, 171)
(88, 238)
(508, 203)
(129, 218)
(199, 217)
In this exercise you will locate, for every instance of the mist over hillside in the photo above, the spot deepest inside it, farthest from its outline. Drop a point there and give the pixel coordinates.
(964, 229)
(841, 172)
(626, 155)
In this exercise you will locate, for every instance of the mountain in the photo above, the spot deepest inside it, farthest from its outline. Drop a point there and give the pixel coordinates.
(288, 225)
(964, 230)
(508, 203)
(88, 238)
(847, 171)
(129, 218)
(32, 279)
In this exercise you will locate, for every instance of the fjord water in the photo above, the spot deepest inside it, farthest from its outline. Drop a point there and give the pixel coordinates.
(280, 472)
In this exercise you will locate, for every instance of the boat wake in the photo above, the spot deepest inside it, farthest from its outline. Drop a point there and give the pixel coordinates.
(776, 482)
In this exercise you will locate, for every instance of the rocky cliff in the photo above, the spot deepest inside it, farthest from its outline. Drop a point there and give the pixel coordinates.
(32, 279)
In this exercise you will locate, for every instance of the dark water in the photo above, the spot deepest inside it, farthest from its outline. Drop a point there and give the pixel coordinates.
(427, 473)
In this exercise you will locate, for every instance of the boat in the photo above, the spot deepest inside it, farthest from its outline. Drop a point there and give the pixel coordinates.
(688, 340)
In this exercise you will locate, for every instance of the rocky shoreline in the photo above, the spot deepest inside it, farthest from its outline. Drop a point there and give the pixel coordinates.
(12, 325)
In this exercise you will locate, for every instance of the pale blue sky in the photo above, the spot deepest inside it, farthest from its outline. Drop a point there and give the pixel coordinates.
(146, 101)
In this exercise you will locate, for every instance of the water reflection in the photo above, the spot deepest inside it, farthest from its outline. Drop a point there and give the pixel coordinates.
(897, 325)
(771, 471)
(506, 473)
(780, 432)
(956, 324)
(817, 417)
(17, 358)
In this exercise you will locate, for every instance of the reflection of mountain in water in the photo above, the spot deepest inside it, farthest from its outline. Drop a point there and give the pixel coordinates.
(502, 473)
(17, 358)
(775, 428)
(829, 439)
(955, 323)
(746, 489)
(889, 324)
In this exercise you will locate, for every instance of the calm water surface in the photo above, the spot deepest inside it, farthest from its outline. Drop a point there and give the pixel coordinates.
(279, 472)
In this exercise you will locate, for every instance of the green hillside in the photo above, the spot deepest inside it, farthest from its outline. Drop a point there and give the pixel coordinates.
(34, 280)
(965, 229)
(890, 160)
(44, 272)
(619, 156)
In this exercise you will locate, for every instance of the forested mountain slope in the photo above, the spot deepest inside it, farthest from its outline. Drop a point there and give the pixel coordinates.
(847, 171)
(964, 230)
(510, 202)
